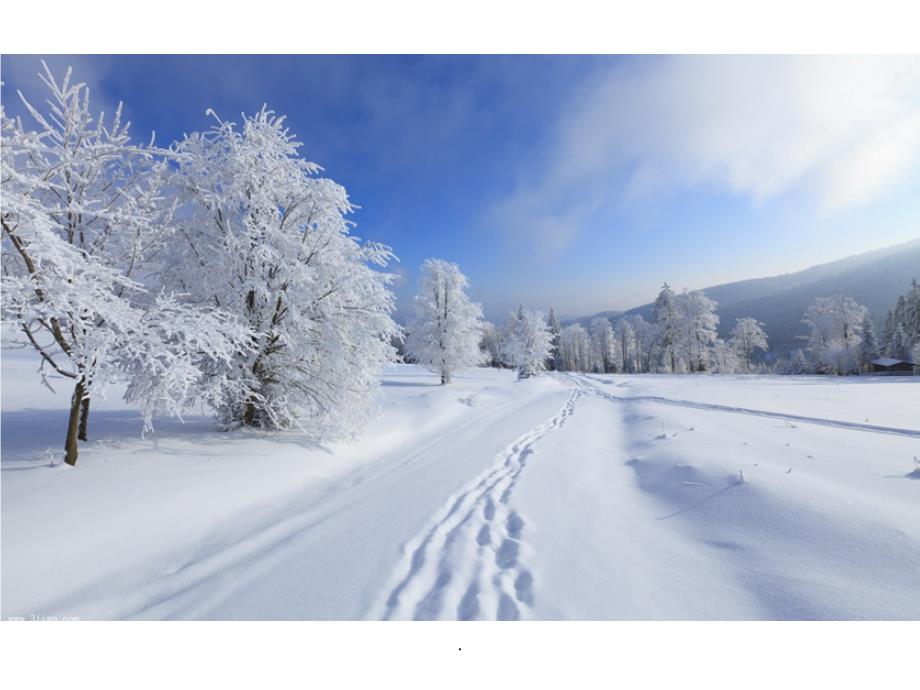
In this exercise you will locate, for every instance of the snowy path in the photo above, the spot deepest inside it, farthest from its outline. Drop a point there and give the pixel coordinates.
(470, 560)
(563, 497)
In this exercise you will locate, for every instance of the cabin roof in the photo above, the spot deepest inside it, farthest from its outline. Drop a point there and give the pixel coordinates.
(889, 361)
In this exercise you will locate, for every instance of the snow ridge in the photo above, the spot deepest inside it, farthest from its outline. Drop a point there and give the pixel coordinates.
(472, 562)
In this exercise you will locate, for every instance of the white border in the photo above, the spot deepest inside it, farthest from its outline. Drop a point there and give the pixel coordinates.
(471, 656)
(461, 655)
(470, 26)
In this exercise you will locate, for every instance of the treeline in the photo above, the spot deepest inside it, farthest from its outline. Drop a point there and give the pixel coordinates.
(682, 338)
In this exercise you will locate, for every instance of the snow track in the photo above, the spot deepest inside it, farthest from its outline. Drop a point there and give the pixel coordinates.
(712, 407)
(471, 563)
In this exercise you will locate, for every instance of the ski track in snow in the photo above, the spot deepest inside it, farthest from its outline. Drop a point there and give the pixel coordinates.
(472, 562)
(713, 407)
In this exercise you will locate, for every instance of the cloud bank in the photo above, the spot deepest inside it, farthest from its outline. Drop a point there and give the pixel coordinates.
(841, 131)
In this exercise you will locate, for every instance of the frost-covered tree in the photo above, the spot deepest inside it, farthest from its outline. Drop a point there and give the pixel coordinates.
(555, 360)
(576, 348)
(603, 345)
(82, 209)
(900, 345)
(887, 333)
(696, 314)
(835, 332)
(725, 358)
(667, 320)
(798, 363)
(495, 344)
(264, 237)
(447, 329)
(646, 335)
(626, 343)
(747, 335)
(530, 344)
(910, 319)
(869, 348)
(902, 327)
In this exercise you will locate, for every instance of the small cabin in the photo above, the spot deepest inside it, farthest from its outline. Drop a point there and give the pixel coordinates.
(891, 366)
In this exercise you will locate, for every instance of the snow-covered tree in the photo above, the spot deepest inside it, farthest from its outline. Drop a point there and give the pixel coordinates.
(900, 346)
(869, 348)
(82, 209)
(835, 332)
(911, 315)
(264, 237)
(902, 327)
(667, 320)
(626, 343)
(696, 314)
(447, 329)
(555, 360)
(495, 344)
(747, 335)
(725, 358)
(887, 333)
(798, 363)
(576, 348)
(530, 344)
(603, 344)
(646, 335)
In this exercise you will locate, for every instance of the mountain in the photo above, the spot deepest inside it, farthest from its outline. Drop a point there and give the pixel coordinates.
(874, 279)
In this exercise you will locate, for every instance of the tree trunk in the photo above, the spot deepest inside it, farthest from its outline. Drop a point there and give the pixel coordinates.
(70, 444)
(445, 378)
(249, 414)
(84, 419)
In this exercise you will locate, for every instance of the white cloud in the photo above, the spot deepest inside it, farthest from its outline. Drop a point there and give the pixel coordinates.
(842, 130)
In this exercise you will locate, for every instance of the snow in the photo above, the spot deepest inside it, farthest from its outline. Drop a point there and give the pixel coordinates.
(559, 497)
(887, 361)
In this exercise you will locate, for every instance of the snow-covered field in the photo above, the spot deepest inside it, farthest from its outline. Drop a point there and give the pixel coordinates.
(565, 496)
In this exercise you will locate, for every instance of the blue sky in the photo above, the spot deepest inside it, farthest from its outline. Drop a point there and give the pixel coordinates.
(575, 182)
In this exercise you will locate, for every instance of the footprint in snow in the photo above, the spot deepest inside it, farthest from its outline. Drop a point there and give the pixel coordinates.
(507, 554)
(515, 525)
(523, 588)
